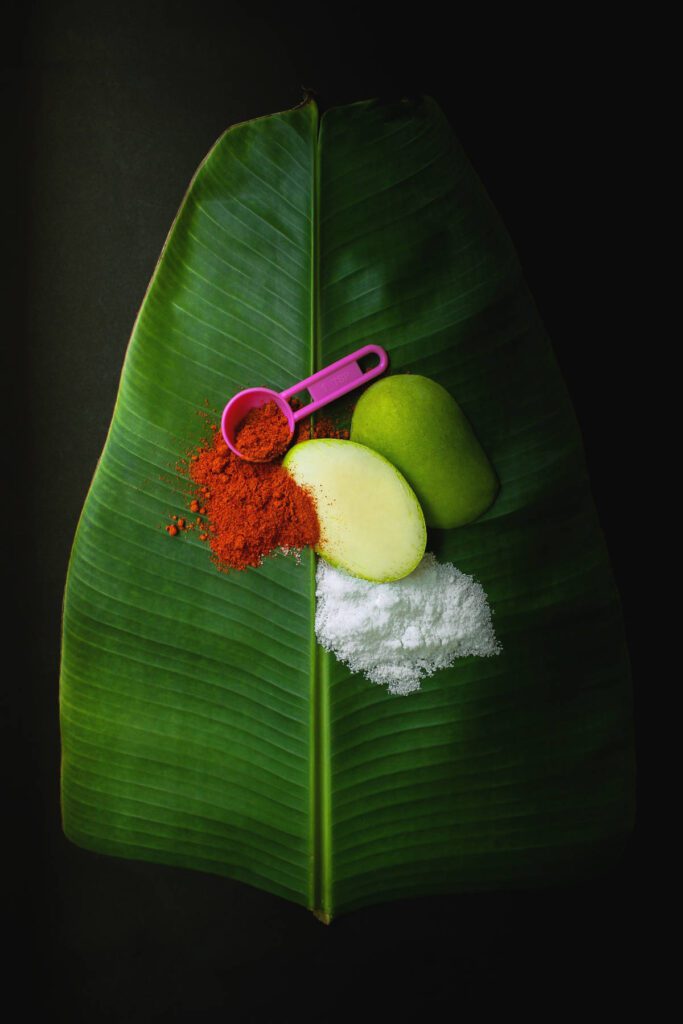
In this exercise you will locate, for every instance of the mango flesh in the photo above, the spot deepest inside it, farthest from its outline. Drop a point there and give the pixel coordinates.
(416, 424)
(371, 522)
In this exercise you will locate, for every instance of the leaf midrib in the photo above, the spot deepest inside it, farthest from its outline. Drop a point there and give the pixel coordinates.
(321, 874)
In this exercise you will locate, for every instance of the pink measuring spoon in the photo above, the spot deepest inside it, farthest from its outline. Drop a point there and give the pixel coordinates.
(324, 386)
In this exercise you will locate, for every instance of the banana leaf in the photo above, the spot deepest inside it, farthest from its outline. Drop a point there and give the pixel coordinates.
(201, 724)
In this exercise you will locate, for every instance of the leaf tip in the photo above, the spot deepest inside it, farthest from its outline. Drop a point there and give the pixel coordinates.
(309, 96)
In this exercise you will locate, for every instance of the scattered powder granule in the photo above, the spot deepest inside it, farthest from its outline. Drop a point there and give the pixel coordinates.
(398, 633)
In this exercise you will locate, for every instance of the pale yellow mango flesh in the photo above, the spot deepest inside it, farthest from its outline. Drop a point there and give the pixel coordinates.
(371, 523)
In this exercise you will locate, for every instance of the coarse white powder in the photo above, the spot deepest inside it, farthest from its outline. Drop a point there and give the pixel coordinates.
(398, 633)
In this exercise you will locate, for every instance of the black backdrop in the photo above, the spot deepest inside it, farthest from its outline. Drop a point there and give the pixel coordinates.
(110, 108)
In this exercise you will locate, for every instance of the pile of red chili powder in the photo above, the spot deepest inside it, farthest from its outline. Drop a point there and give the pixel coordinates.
(250, 509)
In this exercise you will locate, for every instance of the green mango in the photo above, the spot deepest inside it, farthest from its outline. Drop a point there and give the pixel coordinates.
(416, 424)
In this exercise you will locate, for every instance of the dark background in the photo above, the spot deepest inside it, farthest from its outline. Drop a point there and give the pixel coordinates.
(109, 110)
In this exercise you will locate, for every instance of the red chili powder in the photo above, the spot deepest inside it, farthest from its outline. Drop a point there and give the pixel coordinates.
(263, 433)
(323, 427)
(251, 508)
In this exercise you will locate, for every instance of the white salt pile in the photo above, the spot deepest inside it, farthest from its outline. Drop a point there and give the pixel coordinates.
(398, 633)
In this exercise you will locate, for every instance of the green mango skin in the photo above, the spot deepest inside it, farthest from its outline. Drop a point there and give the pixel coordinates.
(416, 424)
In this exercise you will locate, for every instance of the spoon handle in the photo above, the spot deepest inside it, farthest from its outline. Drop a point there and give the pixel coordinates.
(337, 379)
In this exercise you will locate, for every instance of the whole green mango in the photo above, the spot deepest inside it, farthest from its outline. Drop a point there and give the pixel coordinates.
(416, 424)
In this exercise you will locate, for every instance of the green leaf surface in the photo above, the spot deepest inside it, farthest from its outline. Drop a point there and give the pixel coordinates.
(201, 725)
